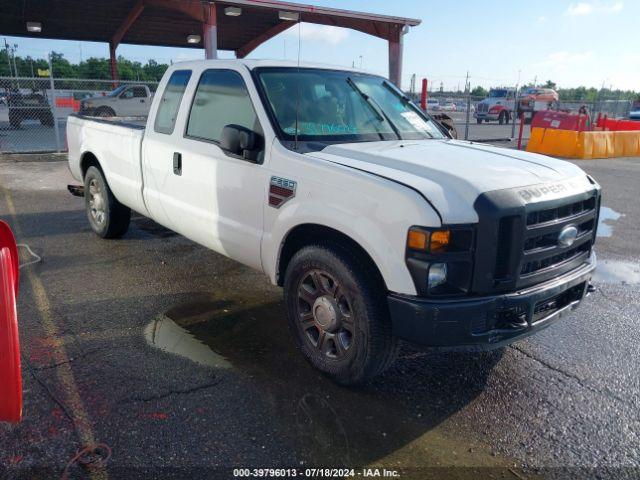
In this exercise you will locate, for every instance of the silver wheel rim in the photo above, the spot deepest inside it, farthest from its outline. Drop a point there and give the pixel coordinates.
(96, 202)
(325, 314)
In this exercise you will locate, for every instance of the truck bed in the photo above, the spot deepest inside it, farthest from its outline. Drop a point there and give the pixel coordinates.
(117, 143)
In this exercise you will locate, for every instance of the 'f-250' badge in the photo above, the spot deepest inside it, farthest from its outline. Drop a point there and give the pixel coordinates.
(281, 190)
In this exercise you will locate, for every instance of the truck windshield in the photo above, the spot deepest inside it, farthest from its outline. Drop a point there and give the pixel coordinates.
(337, 106)
(117, 91)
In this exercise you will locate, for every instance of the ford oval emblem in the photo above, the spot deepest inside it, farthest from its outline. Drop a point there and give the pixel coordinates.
(567, 236)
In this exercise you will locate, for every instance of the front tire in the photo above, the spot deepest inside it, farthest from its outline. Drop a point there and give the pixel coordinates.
(337, 313)
(108, 217)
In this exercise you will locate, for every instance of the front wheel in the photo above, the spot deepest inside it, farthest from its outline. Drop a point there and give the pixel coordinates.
(337, 313)
(108, 217)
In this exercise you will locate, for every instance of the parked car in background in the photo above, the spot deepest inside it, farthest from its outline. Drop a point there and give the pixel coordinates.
(537, 99)
(634, 113)
(498, 106)
(433, 105)
(124, 101)
(29, 106)
(448, 107)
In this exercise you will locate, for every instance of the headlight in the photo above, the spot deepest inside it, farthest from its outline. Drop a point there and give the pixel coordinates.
(441, 260)
(437, 275)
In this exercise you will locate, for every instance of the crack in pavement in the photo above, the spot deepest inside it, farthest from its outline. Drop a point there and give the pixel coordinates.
(580, 381)
(135, 399)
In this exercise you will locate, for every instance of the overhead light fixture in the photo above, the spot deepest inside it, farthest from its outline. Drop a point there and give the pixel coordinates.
(193, 39)
(291, 16)
(35, 27)
(233, 11)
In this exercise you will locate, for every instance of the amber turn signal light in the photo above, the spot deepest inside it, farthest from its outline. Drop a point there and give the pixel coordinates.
(435, 242)
(417, 240)
(440, 240)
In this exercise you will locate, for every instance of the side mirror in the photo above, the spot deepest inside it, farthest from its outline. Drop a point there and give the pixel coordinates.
(241, 141)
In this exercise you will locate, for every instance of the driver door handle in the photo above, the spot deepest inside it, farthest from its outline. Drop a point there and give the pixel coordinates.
(177, 163)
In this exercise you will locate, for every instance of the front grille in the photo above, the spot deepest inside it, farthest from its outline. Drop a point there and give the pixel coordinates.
(483, 107)
(542, 253)
(535, 266)
(560, 213)
(518, 240)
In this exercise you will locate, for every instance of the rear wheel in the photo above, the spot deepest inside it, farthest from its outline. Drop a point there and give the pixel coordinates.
(108, 217)
(502, 118)
(337, 312)
(105, 112)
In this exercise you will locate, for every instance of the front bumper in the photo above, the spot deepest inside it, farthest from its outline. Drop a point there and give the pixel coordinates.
(485, 116)
(489, 322)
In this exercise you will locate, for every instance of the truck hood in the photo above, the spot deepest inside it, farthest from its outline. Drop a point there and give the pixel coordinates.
(451, 174)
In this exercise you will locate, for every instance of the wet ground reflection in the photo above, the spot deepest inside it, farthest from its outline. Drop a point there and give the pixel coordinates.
(393, 421)
(606, 214)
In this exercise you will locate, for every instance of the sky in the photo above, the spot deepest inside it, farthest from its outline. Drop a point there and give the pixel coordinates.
(498, 42)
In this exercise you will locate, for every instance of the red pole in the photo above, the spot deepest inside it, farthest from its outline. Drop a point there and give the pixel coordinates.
(520, 131)
(113, 62)
(423, 96)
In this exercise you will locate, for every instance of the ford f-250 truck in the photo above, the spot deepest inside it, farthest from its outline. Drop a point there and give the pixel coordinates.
(331, 181)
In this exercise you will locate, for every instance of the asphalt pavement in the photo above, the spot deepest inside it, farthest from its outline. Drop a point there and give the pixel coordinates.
(180, 363)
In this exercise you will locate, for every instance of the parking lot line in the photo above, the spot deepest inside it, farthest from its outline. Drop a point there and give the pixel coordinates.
(73, 401)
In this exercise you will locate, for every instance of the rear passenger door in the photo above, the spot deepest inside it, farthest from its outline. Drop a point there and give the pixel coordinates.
(158, 147)
(217, 197)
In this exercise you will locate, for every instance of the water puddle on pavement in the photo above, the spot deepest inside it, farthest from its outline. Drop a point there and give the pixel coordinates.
(607, 214)
(395, 421)
(619, 272)
(164, 333)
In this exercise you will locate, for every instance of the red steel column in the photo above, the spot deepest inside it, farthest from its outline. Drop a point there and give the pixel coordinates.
(395, 55)
(113, 63)
(210, 31)
(423, 95)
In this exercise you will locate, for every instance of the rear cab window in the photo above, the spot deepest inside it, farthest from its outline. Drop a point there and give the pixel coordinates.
(221, 99)
(169, 106)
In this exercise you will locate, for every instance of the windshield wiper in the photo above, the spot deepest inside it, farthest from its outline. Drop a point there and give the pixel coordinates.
(375, 107)
(406, 101)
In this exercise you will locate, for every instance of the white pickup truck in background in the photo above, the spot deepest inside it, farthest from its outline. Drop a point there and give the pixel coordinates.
(124, 101)
(377, 224)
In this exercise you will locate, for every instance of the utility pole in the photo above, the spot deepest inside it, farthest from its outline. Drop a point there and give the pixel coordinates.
(13, 54)
(6, 48)
(467, 87)
(515, 107)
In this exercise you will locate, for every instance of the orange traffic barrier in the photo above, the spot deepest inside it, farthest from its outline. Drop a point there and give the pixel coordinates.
(584, 145)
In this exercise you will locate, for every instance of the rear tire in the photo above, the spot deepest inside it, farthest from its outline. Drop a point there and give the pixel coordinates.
(502, 117)
(337, 313)
(105, 112)
(108, 217)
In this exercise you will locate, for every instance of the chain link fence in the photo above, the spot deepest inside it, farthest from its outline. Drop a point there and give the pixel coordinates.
(34, 110)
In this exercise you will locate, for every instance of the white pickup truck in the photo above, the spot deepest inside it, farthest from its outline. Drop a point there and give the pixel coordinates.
(124, 101)
(377, 224)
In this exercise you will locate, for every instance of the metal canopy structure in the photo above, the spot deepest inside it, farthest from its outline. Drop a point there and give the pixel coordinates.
(236, 25)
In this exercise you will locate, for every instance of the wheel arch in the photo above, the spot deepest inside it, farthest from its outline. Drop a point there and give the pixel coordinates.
(89, 159)
(312, 233)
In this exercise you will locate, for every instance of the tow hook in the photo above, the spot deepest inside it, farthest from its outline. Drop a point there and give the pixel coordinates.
(76, 190)
(591, 288)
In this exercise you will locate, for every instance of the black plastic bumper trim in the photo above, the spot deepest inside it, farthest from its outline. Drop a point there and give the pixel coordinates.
(457, 324)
